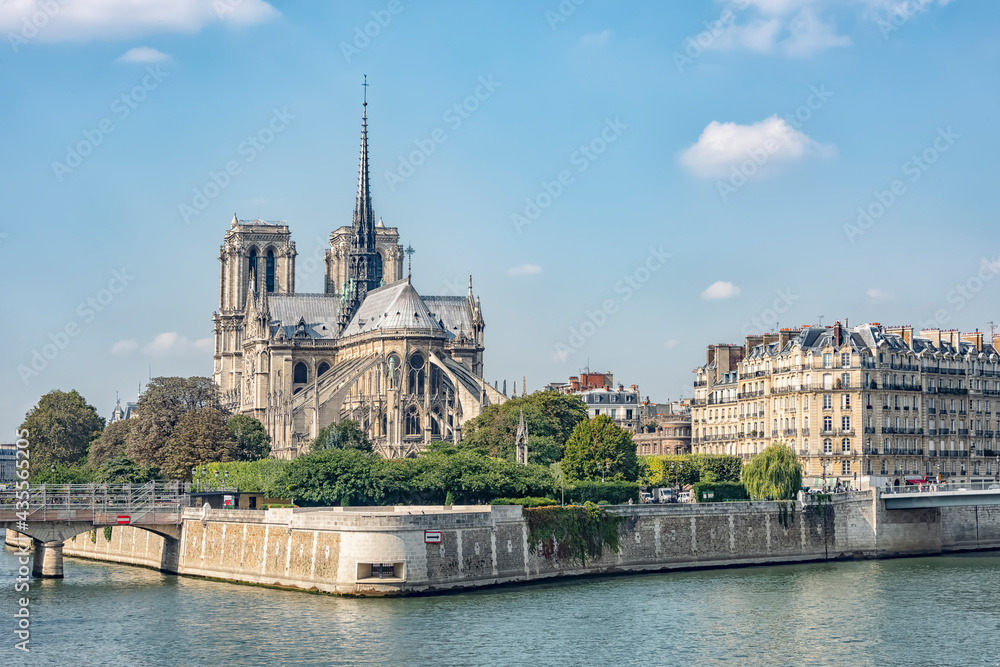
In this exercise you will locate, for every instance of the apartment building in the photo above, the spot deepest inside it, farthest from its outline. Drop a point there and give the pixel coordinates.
(868, 406)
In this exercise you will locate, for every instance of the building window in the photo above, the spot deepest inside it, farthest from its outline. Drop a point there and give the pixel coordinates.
(301, 373)
(269, 271)
(323, 367)
(845, 467)
(845, 446)
(845, 423)
(413, 421)
(828, 423)
(827, 360)
(884, 469)
(827, 446)
(845, 380)
(845, 360)
(827, 402)
(827, 381)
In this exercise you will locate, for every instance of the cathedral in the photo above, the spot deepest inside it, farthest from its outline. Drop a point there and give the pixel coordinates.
(407, 368)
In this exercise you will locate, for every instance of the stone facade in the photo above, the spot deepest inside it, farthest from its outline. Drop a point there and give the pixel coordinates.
(868, 406)
(388, 551)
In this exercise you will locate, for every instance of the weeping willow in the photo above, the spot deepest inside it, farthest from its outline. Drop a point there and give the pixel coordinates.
(774, 474)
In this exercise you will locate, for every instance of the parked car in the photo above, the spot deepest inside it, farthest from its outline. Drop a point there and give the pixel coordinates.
(994, 487)
(666, 496)
(645, 497)
(684, 497)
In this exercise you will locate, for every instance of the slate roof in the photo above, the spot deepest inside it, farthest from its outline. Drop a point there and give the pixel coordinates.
(452, 312)
(318, 310)
(394, 306)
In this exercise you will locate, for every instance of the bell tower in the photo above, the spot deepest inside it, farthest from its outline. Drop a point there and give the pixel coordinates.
(253, 253)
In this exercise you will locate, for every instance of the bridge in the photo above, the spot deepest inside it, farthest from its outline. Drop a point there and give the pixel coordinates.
(51, 514)
(942, 495)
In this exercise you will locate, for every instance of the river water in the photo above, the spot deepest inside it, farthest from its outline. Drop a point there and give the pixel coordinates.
(914, 611)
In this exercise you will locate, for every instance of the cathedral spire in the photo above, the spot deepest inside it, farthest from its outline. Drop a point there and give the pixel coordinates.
(365, 264)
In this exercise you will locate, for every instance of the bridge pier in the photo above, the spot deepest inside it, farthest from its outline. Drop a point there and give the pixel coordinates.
(48, 560)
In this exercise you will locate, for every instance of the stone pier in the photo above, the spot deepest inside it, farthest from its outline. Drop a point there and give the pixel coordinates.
(48, 559)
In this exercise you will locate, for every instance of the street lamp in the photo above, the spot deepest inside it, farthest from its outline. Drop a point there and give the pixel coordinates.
(192, 477)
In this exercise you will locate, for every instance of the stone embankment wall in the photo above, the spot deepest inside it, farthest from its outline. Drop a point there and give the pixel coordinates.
(336, 549)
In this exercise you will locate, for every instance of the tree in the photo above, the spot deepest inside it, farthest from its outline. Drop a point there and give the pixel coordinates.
(549, 416)
(334, 477)
(774, 474)
(59, 430)
(122, 470)
(159, 410)
(110, 444)
(252, 441)
(345, 434)
(63, 474)
(600, 448)
(200, 436)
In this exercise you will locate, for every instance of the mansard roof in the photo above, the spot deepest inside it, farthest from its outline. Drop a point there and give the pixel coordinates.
(394, 306)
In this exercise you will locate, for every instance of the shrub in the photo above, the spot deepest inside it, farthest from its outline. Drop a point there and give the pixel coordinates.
(525, 502)
(107, 533)
(613, 493)
(721, 492)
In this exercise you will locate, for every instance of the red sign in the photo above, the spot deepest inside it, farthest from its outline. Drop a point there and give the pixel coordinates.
(123, 519)
(432, 537)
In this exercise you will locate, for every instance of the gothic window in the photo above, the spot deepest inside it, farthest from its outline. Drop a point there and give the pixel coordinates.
(392, 369)
(323, 368)
(435, 423)
(269, 271)
(252, 266)
(301, 373)
(416, 375)
(377, 269)
(413, 421)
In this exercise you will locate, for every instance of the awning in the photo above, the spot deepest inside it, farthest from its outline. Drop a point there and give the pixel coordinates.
(916, 480)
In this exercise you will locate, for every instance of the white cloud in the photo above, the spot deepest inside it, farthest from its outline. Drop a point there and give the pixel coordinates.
(878, 294)
(720, 290)
(596, 38)
(797, 37)
(124, 347)
(142, 54)
(84, 20)
(524, 270)
(809, 35)
(758, 35)
(722, 146)
(170, 342)
(561, 354)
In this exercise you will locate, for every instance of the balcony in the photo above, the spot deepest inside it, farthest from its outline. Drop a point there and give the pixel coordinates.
(805, 431)
(932, 411)
(932, 432)
(869, 430)
(963, 431)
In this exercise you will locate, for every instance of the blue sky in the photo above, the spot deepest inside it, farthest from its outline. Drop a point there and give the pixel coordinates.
(627, 182)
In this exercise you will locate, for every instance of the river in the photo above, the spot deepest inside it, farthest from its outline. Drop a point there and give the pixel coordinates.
(914, 611)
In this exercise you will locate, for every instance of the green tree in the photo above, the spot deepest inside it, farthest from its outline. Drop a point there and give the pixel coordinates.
(549, 416)
(345, 434)
(122, 470)
(158, 411)
(60, 428)
(600, 446)
(252, 441)
(334, 477)
(774, 474)
(62, 473)
(200, 436)
(110, 444)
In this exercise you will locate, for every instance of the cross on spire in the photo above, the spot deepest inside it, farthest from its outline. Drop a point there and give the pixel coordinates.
(409, 260)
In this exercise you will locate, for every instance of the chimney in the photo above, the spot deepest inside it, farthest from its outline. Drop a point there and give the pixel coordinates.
(837, 341)
(635, 390)
(933, 334)
(976, 338)
(709, 355)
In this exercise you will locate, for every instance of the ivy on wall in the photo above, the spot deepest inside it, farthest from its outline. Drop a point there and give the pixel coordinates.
(578, 532)
(107, 533)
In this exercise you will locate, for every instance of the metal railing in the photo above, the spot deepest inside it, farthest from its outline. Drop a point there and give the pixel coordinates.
(161, 503)
(934, 487)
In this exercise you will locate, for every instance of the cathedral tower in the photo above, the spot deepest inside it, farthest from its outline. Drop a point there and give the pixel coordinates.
(254, 252)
